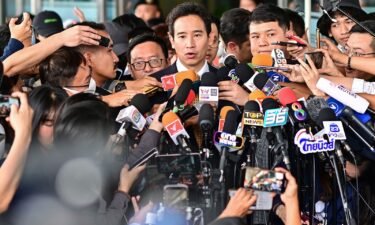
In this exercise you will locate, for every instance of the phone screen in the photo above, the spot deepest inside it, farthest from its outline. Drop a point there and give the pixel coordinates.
(175, 196)
(179, 164)
(317, 58)
(264, 180)
(5, 103)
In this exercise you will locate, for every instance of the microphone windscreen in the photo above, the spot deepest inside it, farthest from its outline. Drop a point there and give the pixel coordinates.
(168, 118)
(244, 72)
(209, 79)
(252, 106)
(314, 105)
(142, 103)
(230, 124)
(257, 94)
(326, 114)
(189, 74)
(206, 115)
(262, 60)
(286, 96)
(183, 92)
(269, 103)
(260, 80)
(223, 72)
(224, 111)
(230, 61)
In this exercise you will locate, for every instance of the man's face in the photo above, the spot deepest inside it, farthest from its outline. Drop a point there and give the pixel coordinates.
(263, 34)
(213, 43)
(340, 30)
(248, 5)
(190, 41)
(81, 80)
(359, 44)
(103, 61)
(146, 58)
(147, 12)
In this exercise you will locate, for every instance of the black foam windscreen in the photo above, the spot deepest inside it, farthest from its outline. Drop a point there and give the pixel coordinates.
(230, 61)
(209, 79)
(314, 106)
(260, 80)
(269, 103)
(206, 115)
(244, 72)
(252, 106)
(183, 92)
(326, 114)
(223, 72)
(231, 124)
(142, 103)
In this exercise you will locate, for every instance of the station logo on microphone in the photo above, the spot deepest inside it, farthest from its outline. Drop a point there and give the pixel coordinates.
(174, 128)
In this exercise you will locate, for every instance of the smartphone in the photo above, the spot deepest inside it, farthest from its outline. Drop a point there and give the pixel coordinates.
(145, 158)
(264, 199)
(104, 41)
(176, 196)
(317, 58)
(5, 102)
(264, 180)
(179, 164)
(317, 38)
(285, 43)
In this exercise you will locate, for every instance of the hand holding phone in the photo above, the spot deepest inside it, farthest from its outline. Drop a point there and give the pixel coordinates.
(264, 180)
(6, 101)
(316, 57)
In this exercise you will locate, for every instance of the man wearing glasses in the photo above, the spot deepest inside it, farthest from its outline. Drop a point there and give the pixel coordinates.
(147, 54)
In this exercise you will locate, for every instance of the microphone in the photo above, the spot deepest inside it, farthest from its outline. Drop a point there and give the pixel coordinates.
(274, 118)
(170, 81)
(206, 123)
(297, 110)
(188, 74)
(222, 116)
(263, 83)
(265, 62)
(176, 131)
(182, 95)
(252, 118)
(133, 115)
(230, 61)
(208, 90)
(226, 73)
(343, 95)
(278, 57)
(245, 74)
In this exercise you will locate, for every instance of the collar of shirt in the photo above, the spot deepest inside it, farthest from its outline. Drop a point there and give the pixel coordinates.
(204, 69)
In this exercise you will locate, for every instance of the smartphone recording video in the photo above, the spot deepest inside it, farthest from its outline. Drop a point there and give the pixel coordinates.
(264, 180)
(5, 103)
(316, 57)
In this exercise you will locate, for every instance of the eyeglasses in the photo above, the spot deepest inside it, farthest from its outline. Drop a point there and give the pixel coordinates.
(357, 54)
(153, 63)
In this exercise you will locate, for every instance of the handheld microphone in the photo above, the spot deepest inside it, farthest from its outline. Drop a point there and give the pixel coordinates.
(230, 61)
(278, 57)
(297, 110)
(265, 62)
(176, 131)
(208, 90)
(343, 95)
(252, 118)
(226, 73)
(182, 94)
(263, 83)
(206, 123)
(245, 74)
(188, 74)
(222, 116)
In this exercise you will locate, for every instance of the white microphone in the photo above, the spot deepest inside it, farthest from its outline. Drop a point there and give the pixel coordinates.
(132, 115)
(343, 95)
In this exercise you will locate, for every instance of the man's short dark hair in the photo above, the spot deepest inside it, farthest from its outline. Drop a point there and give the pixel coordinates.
(297, 21)
(93, 25)
(186, 9)
(234, 25)
(145, 38)
(270, 13)
(369, 24)
(59, 68)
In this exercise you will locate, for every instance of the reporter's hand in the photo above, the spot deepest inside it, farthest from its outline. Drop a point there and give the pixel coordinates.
(298, 51)
(121, 98)
(21, 32)
(294, 75)
(128, 177)
(329, 67)
(311, 75)
(156, 125)
(79, 35)
(20, 118)
(239, 204)
(140, 214)
(233, 92)
(291, 192)
(147, 81)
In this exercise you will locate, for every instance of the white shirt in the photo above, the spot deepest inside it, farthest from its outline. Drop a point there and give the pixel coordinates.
(362, 86)
(181, 67)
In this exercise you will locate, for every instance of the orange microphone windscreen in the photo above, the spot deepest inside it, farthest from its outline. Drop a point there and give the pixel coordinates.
(168, 118)
(257, 94)
(262, 60)
(189, 74)
(224, 111)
